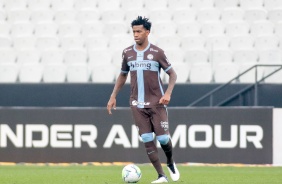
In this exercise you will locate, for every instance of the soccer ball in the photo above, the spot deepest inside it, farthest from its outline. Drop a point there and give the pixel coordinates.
(131, 173)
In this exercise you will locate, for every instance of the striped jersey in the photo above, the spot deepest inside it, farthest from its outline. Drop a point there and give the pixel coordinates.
(145, 67)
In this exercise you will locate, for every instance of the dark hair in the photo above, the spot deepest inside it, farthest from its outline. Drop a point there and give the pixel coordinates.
(142, 21)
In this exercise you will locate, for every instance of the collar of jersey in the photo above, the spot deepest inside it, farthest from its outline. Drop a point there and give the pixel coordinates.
(148, 46)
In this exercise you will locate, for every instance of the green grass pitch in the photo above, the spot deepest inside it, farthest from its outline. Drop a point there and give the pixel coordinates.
(78, 174)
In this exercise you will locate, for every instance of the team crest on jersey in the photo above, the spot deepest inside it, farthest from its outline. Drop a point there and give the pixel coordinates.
(164, 125)
(150, 56)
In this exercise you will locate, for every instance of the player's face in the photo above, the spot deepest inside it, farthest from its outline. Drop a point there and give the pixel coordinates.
(140, 34)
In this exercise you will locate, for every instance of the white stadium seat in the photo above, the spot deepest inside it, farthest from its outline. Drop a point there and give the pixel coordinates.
(30, 73)
(99, 56)
(241, 42)
(188, 28)
(217, 42)
(262, 27)
(270, 56)
(175, 55)
(52, 56)
(222, 4)
(47, 42)
(245, 56)
(18, 15)
(108, 4)
(208, 14)
(3, 15)
(7, 55)
(54, 73)
(168, 42)
(93, 28)
(275, 78)
(28, 56)
(72, 42)
(198, 4)
(65, 16)
(14, 4)
(250, 76)
(103, 73)
(82, 4)
(113, 16)
(234, 28)
(77, 73)
(24, 42)
(8, 72)
(115, 28)
(196, 56)
(41, 15)
(5, 42)
(272, 4)
(156, 4)
(224, 72)
(251, 3)
(45, 29)
(184, 15)
(232, 14)
(201, 73)
(38, 4)
(211, 28)
(266, 42)
(182, 70)
(163, 15)
(75, 56)
(278, 30)
(177, 5)
(275, 15)
(218, 56)
(162, 29)
(88, 15)
(71, 28)
(193, 42)
(62, 4)
(255, 14)
(132, 4)
(120, 41)
(96, 42)
(22, 29)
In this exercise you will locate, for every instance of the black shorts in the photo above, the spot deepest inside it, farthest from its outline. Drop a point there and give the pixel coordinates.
(151, 120)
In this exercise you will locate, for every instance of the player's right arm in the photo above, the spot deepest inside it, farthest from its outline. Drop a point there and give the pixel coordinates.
(119, 83)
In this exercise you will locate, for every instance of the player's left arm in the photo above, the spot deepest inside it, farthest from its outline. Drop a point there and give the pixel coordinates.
(165, 99)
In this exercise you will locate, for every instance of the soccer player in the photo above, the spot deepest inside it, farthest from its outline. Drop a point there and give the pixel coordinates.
(148, 100)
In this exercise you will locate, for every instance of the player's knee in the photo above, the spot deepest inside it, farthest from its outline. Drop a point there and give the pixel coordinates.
(163, 139)
(147, 137)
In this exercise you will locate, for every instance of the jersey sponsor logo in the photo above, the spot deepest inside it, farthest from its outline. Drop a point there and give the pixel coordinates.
(164, 125)
(150, 56)
(129, 57)
(153, 50)
(135, 103)
(140, 65)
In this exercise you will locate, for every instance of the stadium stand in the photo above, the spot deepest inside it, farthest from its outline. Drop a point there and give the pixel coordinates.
(90, 33)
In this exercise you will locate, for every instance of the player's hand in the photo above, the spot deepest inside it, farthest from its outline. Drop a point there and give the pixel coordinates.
(165, 99)
(111, 105)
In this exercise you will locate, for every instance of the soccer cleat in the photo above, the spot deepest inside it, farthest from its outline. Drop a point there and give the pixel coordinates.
(173, 171)
(161, 179)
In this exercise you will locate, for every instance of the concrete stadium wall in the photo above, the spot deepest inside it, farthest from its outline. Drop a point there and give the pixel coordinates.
(204, 135)
(96, 95)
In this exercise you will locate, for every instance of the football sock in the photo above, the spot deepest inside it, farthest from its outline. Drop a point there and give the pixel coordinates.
(152, 153)
(168, 152)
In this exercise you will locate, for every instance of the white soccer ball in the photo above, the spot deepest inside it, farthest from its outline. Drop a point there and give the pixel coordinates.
(131, 173)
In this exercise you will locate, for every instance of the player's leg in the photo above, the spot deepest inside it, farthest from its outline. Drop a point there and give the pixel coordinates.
(161, 127)
(145, 128)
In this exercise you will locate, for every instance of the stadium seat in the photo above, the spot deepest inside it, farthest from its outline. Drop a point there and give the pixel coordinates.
(5, 42)
(71, 28)
(193, 42)
(131, 14)
(232, 14)
(134, 5)
(275, 15)
(65, 16)
(52, 56)
(47, 42)
(62, 4)
(212, 28)
(208, 14)
(198, 4)
(77, 73)
(222, 4)
(88, 15)
(217, 42)
(263, 27)
(96, 42)
(272, 4)
(234, 28)
(196, 56)
(188, 28)
(28, 56)
(120, 41)
(275, 78)
(241, 42)
(174, 55)
(241, 56)
(73, 56)
(18, 15)
(7, 55)
(224, 72)
(54, 73)
(8, 72)
(156, 4)
(24, 42)
(255, 14)
(103, 73)
(30, 73)
(168, 42)
(38, 4)
(5, 28)
(270, 56)
(278, 30)
(82, 4)
(250, 76)
(176, 5)
(72, 42)
(3, 15)
(218, 56)
(160, 15)
(115, 28)
(93, 28)
(109, 4)
(162, 29)
(15, 4)
(266, 42)
(99, 56)
(184, 15)
(22, 29)
(113, 16)
(246, 4)
(201, 73)
(41, 15)
(45, 29)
